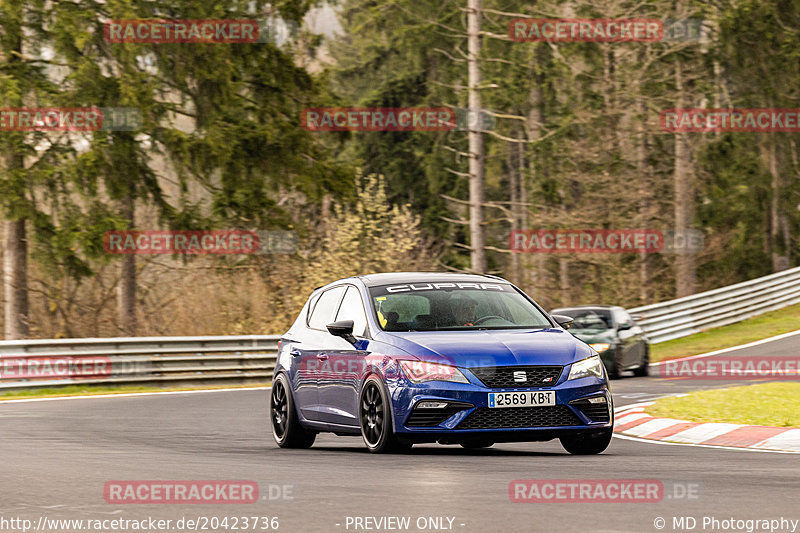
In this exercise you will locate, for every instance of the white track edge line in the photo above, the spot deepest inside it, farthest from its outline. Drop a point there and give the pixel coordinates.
(128, 394)
(732, 348)
(665, 443)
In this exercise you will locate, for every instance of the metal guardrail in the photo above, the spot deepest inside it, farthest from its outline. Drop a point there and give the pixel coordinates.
(719, 307)
(137, 361)
(251, 358)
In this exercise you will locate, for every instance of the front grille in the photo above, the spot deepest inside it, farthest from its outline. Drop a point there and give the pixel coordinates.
(433, 417)
(520, 417)
(597, 412)
(501, 377)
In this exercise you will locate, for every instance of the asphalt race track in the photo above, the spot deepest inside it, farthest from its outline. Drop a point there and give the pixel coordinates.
(58, 455)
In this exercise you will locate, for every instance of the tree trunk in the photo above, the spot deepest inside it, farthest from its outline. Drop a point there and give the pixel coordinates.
(526, 277)
(15, 280)
(643, 169)
(533, 125)
(777, 222)
(563, 281)
(613, 131)
(787, 241)
(15, 264)
(126, 290)
(476, 177)
(514, 176)
(685, 275)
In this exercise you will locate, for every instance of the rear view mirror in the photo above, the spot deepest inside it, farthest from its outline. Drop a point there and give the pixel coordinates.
(343, 329)
(563, 320)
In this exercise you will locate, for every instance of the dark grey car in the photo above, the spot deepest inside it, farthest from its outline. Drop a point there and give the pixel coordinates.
(614, 334)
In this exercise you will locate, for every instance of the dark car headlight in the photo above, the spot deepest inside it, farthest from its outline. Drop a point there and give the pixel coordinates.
(600, 347)
(591, 366)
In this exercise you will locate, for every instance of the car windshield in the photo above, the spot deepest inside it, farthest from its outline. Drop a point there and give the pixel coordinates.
(598, 319)
(454, 306)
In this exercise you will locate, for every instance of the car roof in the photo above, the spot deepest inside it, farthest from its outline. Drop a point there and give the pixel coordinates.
(387, 278)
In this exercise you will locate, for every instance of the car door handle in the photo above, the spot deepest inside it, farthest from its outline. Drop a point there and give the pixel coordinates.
(295, 353)
(322, 356)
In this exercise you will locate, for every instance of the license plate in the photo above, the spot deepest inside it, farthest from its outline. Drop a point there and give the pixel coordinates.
(499, 400)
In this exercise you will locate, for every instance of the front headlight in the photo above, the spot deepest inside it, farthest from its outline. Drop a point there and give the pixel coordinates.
(420, 371)
(600, 346)
(591, 366)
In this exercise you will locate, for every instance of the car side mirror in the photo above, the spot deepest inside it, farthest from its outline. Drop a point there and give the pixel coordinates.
(343, 329)
(624, 326)
(563, 320)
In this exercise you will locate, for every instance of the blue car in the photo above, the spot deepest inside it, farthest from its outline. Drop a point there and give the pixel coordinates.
(405, 358)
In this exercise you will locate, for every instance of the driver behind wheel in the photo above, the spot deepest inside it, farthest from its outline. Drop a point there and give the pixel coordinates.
(465, 312)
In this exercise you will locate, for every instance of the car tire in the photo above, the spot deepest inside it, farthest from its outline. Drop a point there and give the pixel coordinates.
(613, 369)
(644, 369)
(286, 428)
(588, 444)
(477, 444)
(375, 419)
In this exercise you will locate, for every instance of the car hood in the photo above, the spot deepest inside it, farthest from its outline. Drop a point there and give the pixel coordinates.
(491, 347)
(595, 335)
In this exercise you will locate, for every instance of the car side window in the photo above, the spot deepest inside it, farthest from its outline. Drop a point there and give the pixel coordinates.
(311, 305)
(622, 318)
(326, 306)
(627, 317)
(352, 308)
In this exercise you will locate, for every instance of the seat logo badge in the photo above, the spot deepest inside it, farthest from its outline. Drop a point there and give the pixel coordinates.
(547, 380)
(521, 376)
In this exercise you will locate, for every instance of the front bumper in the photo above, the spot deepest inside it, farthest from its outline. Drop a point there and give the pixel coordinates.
(467, 415)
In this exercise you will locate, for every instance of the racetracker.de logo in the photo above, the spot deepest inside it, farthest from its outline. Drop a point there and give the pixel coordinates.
(555, 241)
(54, 367)
(762, 120)
(70, 119)
(181, 31)
(185, 492)
(586, 491)
(378, 119)
(721, 367)
(189, 242)
(586, 30)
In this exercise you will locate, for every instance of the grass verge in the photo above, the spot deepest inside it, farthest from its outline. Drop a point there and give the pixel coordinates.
(753, 329)
(765, 404)
(78, 390)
